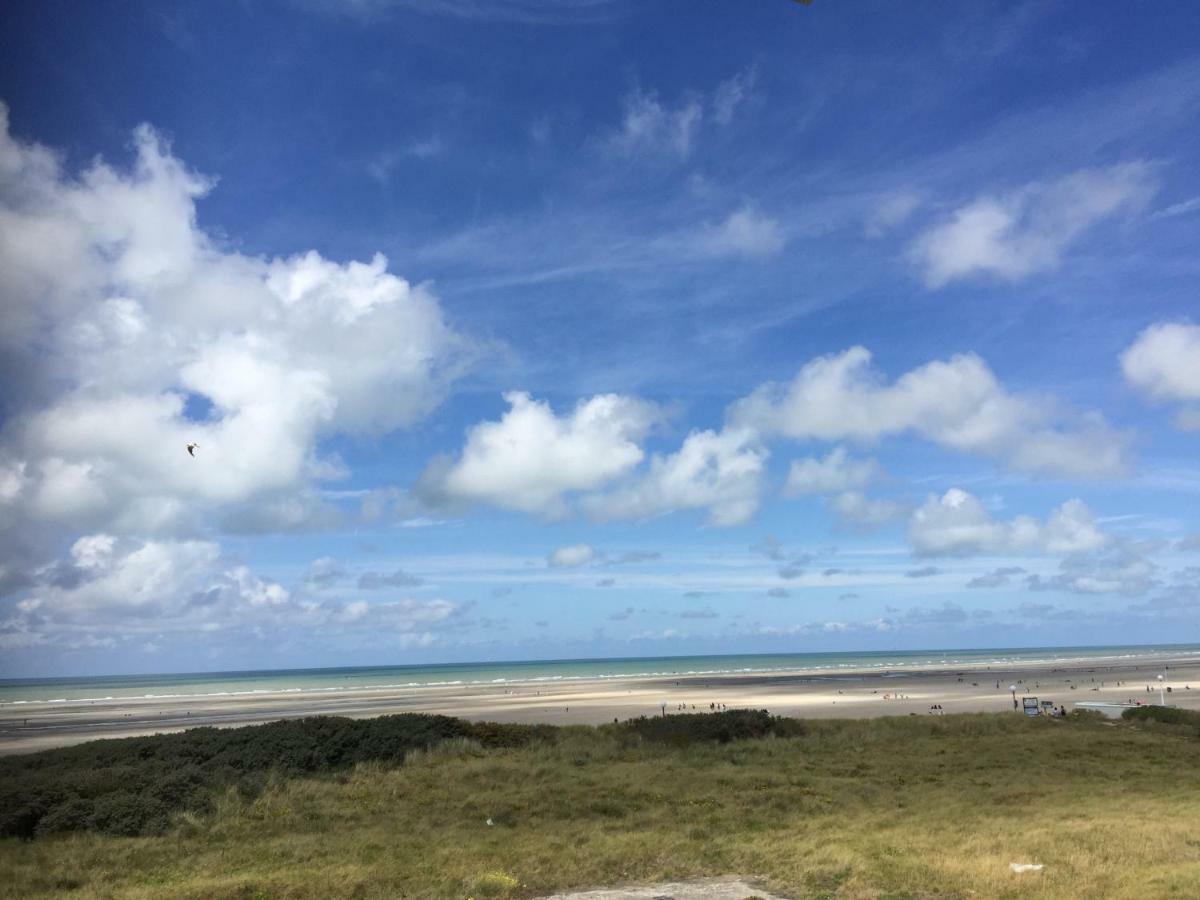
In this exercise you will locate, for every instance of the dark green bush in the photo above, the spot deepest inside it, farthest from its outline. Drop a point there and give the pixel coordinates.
(74, 814)
(721, 727)
(133, 785)
(494, 735)
(126, 813)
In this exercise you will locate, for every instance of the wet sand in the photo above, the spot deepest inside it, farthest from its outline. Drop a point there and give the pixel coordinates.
(806, 694)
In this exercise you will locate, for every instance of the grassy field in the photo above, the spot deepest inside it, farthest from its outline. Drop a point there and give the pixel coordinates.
(905, 807)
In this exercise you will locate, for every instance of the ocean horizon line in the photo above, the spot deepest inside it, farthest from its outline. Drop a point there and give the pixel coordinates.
(336, 679)
(207, 673)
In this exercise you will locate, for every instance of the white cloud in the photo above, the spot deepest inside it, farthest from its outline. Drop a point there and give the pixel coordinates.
(520, 12)
(1025, 231)
(745, 232)
(649, 127)
(957, 524)
(861, 512)
(1181, 208)
(531, 458)
(996, 578)
(324, 572)
(718, 471)
(112, 579)
(1164, 363)
(732, 93)
(383, 164)
(112, 590)
(1188, 419)
(836, 472)
(136, 333)
(892, 210)
(1116, 569)
(957, 403)
(571, 557)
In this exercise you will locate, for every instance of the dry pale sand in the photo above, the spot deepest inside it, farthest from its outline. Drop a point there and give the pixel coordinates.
(807, 694)
(729, 888)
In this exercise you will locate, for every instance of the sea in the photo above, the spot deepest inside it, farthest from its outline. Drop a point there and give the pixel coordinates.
(16, 692)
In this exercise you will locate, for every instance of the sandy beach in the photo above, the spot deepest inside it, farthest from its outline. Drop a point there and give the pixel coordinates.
(809, 694)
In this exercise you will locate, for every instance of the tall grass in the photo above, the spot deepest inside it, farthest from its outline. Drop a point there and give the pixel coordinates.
(906, 807)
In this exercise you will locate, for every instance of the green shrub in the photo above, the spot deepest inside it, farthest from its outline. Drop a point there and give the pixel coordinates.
(136, 785)
(74, 814)
(720, 727)
(133, 785)
(128, 814)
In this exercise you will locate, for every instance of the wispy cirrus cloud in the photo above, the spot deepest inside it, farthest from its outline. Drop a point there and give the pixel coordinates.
(522, 12)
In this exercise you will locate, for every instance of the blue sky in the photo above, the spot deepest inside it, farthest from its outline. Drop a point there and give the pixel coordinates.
(533, 329)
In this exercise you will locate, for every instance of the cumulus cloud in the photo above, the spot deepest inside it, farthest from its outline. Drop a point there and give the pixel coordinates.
(1117, 569)
(1164, 364)
(570, 557)
(835, 473)
(1014, 235)
(535, 461)
(956, 403)
(531, 458)
(721, 472)
(111, 590)
(135, 333)
(324, 572)
(957, 524)
(113, 579)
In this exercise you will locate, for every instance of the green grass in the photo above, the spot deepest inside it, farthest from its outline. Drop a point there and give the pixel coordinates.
(905, 807)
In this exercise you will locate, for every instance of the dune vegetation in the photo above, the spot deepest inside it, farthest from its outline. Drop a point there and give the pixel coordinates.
(424, 806)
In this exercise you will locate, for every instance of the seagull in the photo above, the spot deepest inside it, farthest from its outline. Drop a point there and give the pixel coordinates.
(191, 448)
